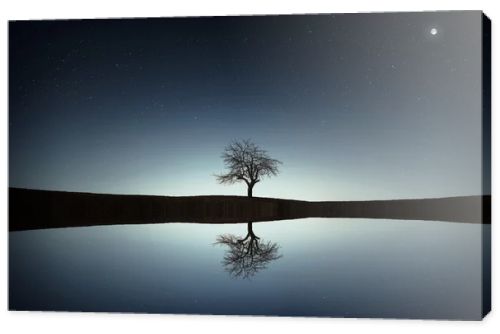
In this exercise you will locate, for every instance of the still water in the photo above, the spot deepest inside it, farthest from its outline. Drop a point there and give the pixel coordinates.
(305, 267)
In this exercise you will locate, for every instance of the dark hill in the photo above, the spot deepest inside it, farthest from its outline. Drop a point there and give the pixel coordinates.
(37, 209)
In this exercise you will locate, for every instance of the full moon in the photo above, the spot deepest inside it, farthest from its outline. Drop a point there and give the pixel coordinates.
(434, 31)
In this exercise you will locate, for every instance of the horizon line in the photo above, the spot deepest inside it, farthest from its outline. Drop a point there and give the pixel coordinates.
(243, 196)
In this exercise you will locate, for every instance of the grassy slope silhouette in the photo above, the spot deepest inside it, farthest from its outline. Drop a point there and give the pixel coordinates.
(39, 209)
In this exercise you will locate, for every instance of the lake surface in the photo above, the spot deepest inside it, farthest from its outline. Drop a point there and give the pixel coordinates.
(318, 267)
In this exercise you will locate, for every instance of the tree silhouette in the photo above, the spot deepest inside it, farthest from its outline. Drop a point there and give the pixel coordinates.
(245, 257)
(246, 162)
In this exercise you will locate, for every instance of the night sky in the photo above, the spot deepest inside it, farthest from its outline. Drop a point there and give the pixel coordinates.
(358, 106)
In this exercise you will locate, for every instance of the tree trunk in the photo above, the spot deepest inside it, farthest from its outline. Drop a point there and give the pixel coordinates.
(249, 191)
(250, 231)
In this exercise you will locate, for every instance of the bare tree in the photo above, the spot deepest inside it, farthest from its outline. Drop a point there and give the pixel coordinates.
(246, 162)
(245, 257)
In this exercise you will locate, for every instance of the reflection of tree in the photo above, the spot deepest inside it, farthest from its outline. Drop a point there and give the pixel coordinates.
(245, 257)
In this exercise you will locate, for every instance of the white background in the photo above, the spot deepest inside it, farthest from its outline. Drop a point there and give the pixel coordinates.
(50, 322)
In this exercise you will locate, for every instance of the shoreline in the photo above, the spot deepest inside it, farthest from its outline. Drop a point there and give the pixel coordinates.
(40, 209)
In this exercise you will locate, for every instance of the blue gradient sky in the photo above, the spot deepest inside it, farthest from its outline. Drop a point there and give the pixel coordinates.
(358, 106)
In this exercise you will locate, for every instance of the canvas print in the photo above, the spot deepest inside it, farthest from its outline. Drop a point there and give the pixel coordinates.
(331, 165)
